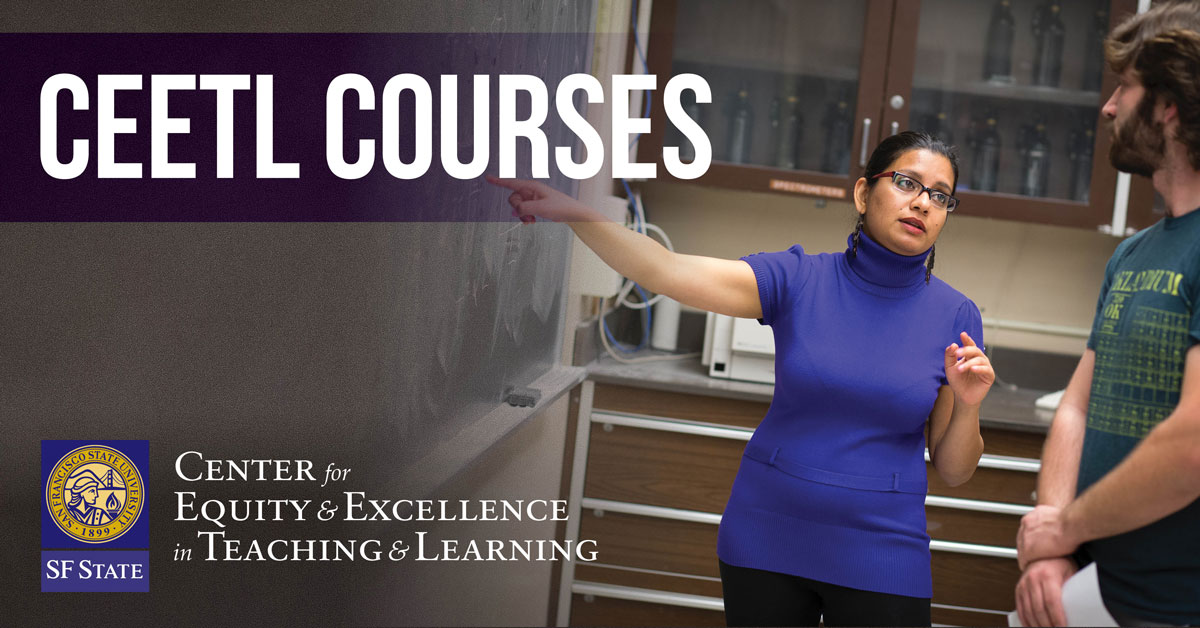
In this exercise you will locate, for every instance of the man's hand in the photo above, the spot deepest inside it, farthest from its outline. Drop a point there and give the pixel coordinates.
(1039, 592)
(1043, 535)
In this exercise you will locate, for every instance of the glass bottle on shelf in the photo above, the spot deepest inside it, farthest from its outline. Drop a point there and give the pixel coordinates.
(687, 151)
(773, 113)
(1048, 33)
(1082, 142)
(997, 56)
(1035, 169)
(1093, 63)
(741, 125)
(839, 132)
(787, 124)
(938, 125)
(985, 164)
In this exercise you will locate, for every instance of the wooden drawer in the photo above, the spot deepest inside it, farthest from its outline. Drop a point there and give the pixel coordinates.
(650, 543)
(612, 612)
(967, 526)
(1008, 443)
(661, 468)
(993, 485)
(696, 472)
(690, 548)
(602, 611)
(975, 581)
(679, 405)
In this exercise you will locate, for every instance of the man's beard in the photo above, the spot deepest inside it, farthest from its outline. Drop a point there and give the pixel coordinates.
(1138, 145)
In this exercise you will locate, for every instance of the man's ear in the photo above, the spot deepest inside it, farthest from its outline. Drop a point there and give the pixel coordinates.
(1170, 111)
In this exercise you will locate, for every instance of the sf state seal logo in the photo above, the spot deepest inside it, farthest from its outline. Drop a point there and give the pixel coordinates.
(94, 493)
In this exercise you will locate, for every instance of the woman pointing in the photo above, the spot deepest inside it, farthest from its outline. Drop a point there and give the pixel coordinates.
(876, 359)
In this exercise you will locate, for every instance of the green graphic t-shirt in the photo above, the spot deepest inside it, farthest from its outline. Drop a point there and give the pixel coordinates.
(1146, 320)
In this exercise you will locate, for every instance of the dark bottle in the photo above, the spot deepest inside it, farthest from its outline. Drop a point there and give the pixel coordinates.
(986, 163)
(839, 132)
(1024, 139)
(1035, 172)
(741, 125)
(1082, 142)
(1048, 32)
(773, 113)
(938, 125)
(788, 126)
(1093, 63)
(687, 151)
(997, 55)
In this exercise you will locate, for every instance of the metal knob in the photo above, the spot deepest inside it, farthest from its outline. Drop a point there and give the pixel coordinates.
(866, 142)
(897, 102)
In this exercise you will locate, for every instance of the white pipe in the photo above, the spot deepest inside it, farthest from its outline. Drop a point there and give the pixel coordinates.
(1121, 204)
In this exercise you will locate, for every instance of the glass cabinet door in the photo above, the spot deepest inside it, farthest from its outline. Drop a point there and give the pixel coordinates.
(788, 101)
(1017, 86)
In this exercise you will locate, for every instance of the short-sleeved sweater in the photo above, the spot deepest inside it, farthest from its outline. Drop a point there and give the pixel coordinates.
(832, 485)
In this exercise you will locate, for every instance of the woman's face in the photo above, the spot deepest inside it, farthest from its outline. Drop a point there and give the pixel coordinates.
(89, 495)
(905, 222)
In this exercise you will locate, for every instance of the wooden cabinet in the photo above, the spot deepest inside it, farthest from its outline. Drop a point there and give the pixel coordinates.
(652, 473)
(802, 91)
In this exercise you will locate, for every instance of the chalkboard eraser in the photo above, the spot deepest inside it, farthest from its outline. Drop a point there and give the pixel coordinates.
(522, 397)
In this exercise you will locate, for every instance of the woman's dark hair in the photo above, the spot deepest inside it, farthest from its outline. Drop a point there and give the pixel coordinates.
(890, 149)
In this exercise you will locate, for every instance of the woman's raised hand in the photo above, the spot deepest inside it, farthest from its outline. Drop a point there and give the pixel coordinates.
(969, 371)
(531, 199)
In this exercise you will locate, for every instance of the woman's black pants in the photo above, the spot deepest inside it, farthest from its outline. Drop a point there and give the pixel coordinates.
(754, 597)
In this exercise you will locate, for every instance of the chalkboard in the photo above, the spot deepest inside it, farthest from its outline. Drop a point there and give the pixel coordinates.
(382, 347)
(426, 324)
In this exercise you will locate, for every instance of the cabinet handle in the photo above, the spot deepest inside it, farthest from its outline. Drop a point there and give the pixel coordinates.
(862, 152)
(895, 127)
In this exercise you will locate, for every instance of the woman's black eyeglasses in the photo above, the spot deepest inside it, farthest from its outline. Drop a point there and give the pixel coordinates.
(905, 183)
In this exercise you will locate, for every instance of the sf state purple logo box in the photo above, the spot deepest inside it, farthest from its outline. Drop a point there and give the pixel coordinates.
(94, 494)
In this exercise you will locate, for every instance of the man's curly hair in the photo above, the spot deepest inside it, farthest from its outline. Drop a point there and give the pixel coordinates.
(1162, 47)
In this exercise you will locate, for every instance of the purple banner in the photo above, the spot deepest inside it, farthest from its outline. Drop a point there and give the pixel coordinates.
(95, 571)
(275, 165)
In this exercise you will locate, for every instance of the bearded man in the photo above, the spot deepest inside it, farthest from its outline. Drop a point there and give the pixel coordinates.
(1120, 479)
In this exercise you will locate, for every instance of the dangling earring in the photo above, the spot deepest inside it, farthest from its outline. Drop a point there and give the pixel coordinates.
(929, 264)
(857, 232)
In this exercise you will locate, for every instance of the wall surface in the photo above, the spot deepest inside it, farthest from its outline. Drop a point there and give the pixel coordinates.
(1013, 271)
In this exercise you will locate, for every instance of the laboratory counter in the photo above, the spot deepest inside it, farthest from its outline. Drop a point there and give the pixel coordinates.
(1006, 407)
